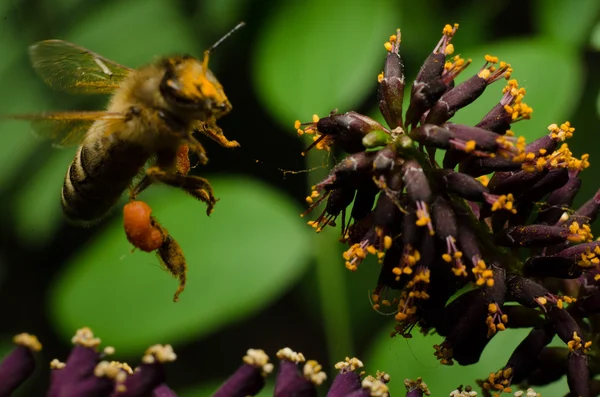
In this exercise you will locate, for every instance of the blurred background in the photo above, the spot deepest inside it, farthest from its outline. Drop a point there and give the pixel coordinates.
(258, 275)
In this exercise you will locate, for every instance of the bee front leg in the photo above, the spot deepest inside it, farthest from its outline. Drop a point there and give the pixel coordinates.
(196, 186)
(214, 132)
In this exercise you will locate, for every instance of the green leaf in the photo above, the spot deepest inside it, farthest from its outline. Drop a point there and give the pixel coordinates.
(595, 37)
(38, 208)
(567, 21)
(241, 258)
(208, 389)
(135, 32)
(411, 358)
(21, 95)
(550, 72)
(313, 56)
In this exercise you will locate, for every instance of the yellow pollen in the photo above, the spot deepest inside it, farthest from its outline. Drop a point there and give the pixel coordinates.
(380, 77)
(470, 146)
(387, 242)
(449, 49)
(388, 46)
(491, 59)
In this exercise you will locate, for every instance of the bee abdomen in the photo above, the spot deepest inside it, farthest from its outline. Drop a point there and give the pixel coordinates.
(99, 174)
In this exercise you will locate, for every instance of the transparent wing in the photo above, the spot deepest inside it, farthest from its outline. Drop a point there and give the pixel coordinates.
(68, 128)
(68, 67)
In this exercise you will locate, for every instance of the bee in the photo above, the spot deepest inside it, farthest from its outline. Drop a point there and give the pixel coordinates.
(153, 111)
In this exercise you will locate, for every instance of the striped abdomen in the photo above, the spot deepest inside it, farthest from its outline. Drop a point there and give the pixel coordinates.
(101, 171)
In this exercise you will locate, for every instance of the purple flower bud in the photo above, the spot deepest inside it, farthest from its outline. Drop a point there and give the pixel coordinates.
(347, 130)
(467, 330)
(363, 203)
(545, 144)
(553, 180)
(416, 388)
(163, 391)
(101, 384)
(477, 166)
(416, 182)
(80, 364)
(527, 292)
(578, 375)
(433, 135)
(444, 218)
(464, 185)
(558, 201)
(516, 182)
(386, 214)
(532, 236)
(567, 329)
(455, 99)
(423, 96)
(347, 381)
(551, 266)
(391, 86)
(290, 382)
(352, 171)
(523, 359)
(150, 374)
(249, 378)
(19, 364)
(496, 120)
(385, 160)
(551, 366)
(581, 253)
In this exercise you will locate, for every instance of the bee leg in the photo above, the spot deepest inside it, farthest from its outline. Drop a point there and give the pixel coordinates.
(140, 187)
(196, 147)
(196, 186)
(172, 259)
(215, 133)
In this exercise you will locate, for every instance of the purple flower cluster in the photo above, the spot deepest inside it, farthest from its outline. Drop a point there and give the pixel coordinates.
(87, 371)
(474, 239)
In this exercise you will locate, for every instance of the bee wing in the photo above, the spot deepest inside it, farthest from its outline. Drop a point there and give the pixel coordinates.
(67, 128)
(68, 67)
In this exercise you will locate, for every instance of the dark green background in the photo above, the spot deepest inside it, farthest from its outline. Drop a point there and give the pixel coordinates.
(258, 276)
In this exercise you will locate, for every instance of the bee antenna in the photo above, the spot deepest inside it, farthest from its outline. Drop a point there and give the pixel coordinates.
(216, 44)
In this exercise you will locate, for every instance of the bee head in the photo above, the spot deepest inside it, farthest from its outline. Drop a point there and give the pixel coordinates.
(189, 85)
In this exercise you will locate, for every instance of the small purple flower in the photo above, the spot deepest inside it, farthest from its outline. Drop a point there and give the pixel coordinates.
(19, 364)
(86, 371)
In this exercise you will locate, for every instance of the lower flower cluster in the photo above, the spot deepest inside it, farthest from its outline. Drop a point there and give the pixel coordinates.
(88, 372)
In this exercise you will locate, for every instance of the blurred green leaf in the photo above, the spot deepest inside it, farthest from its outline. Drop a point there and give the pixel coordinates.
(21, 95)
(38, 207)
(595, 37)
(550, 72)
(567, 21)
(208, 389)
(134, 32)
(313, 56)
(411, 358)
(241, 258)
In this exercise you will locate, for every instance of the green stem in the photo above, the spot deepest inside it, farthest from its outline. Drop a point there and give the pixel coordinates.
(331, 282)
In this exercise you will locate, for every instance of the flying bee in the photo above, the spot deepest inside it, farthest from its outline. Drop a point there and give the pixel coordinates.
(153, 111)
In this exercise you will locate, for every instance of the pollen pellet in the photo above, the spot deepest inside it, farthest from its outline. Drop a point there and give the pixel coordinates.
(140, 228)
